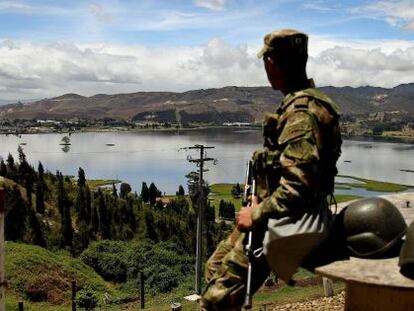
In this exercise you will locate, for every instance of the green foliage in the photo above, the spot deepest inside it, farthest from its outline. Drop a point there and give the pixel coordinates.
(236, 191)
(374, 185)
(81, 178)
(87, 298)
(226, 210)
(145, 192)
(16, 215)
(165, 265)
(180, 191)
(124, 190)
(110, 259)
(153, 193)
(37, 274)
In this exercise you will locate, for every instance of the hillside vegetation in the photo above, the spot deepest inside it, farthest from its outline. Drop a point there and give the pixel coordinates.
(61, 228)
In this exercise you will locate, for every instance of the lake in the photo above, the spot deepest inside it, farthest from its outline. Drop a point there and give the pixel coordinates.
(157, 157)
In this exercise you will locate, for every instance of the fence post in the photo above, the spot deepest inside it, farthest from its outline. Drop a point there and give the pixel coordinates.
(2, 276)
(328, 287)
(141, 276)
(73, 295)
(20, 306)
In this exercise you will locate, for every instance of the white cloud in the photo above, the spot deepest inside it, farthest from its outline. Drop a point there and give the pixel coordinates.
(215, 5)
(100, 14)
(397, 13)
(318, 5)
(34, 70)
(15, 6)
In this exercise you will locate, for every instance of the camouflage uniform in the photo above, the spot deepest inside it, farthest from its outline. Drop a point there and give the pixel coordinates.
(298, 163)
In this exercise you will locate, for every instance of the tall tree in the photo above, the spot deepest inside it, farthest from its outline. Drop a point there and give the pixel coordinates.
(144, 192)
(88, 205)
(40, 190)
(10, 162)
(3, 169)
(36, 233)
(153, 192)
(81, 178)
(94, 223)
(40, 197)
(181, 190)
(124, 190)
(16, 215)
(114, 191)
(104, 219)
(64, 205)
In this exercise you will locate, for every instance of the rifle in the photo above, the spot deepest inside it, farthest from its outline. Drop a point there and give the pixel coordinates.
(249, 191)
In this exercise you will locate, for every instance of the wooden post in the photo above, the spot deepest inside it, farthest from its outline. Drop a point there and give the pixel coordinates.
(141, 276)
(73, 295)
(20, 306)
(328, 287)
(2, 274)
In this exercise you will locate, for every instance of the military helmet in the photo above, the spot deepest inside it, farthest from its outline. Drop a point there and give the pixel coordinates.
(406, 261)
(373, 228)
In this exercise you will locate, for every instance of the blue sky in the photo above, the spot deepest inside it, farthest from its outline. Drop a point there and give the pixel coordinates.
(51, 47)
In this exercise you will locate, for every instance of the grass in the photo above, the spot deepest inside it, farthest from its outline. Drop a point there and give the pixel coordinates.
(32, 270)
(223, 192)
(374, 185)
(93, 183)
(346, 197)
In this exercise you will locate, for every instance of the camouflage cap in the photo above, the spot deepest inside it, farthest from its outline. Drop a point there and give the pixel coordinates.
(286, 39)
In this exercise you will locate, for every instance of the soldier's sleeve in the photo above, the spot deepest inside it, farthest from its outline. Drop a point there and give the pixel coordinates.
(300, 169)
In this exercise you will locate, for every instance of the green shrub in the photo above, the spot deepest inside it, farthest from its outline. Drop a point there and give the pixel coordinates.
(87, 298)
(110, 259)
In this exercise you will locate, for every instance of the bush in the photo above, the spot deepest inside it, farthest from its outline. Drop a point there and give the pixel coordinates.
(110, 259)
(87, 298)
(165, 265)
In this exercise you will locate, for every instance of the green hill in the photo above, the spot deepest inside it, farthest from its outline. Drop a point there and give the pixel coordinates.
(36, 274)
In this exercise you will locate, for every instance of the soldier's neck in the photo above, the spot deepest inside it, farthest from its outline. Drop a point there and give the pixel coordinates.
(297, 85)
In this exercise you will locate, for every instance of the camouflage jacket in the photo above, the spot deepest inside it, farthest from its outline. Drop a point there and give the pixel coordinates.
(297, 167)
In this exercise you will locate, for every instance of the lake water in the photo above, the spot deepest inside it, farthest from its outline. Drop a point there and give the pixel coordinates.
(156, 156)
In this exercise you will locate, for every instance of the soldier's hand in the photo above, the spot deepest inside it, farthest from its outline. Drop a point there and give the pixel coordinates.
(244, 219)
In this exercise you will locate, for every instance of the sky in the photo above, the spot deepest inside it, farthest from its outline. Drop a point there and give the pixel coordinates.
(49, 48)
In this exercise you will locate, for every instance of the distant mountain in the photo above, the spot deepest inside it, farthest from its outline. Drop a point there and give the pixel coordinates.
(227, 104)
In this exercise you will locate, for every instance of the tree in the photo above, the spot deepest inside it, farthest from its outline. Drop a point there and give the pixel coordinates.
(16, 214)
(88, 205)
(10, 163)
(81, 177)
(94, 223)
(40, 190)
(40, 171)
(153, 192)
(22, 156)
(180, 191)
(124, 190)
(114, 191)
(64, 205)
(40, 197)
(35, 230)
(104, 220)
(144, 192)
(236, 191)
(3, 169)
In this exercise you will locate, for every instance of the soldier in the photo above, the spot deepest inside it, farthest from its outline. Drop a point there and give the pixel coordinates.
(295, 170)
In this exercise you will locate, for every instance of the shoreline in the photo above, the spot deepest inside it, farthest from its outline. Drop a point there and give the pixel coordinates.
(385, 138)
